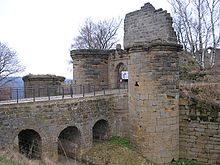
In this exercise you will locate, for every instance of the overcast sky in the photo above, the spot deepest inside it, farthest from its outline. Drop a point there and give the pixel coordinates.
(41, 31)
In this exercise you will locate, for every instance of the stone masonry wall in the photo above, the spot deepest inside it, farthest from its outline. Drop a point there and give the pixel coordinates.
(199, 131)
(41, 85)
(153, 102)
(153, 83)
(90, 67)
(51, 117)
(146, 25)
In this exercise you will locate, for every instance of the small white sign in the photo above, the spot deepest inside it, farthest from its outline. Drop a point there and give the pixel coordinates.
(124, 75)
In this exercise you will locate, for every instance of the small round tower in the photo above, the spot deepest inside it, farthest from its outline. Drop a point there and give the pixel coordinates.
(42, 85)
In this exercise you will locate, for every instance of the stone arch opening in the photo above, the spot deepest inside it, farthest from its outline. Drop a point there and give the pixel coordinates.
(120, 76)
(69, 143)
(100, 130)
(30, 144)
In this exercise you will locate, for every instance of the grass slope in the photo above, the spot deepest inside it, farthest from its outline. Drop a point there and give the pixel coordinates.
(118, 151)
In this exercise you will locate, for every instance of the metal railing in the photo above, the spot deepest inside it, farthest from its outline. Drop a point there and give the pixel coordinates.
(10, 95)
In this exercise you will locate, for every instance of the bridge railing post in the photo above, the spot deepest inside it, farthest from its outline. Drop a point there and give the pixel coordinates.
(33, 90)
(59, 90)
(16, 95)
(74, 89)
(94, 90)
(80, 89)
(38, 91)
(71, 91)
(48, 92)
(62, 92)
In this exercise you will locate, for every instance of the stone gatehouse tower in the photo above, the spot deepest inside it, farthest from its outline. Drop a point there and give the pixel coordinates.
(153, 83)
(101, 68)
(150, 56)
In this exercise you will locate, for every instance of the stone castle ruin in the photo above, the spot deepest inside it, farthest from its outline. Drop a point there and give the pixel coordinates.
(163, 125)
(150, 56)
(102, 68)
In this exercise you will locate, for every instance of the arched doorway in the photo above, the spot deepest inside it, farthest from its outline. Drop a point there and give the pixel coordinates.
(100, 130)
(120, 79)
(69, 143)
(29, 142)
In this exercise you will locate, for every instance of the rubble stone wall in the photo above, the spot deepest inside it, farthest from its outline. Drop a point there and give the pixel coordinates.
(199, 131)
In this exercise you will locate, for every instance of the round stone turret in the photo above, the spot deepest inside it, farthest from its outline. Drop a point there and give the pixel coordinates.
(42, 85)
(153, 83)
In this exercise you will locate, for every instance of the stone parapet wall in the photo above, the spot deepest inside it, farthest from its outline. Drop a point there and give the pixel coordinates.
(199, 130)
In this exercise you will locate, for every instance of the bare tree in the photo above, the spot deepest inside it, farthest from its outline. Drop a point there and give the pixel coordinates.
(9, 64)
(197, 25)
(101, 35)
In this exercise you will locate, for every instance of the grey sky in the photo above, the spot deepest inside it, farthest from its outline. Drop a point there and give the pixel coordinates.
(41, 31)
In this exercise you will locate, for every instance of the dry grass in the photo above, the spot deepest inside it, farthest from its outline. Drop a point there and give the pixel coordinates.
(112, 153)
(18, 159)
(203, 91)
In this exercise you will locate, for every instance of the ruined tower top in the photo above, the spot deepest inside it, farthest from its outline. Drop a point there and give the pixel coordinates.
(146, 25)
(147, 7)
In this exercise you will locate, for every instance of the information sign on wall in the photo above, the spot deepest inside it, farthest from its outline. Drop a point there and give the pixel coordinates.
(124, 75)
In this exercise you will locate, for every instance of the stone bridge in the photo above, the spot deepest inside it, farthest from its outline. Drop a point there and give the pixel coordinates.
(47, 129)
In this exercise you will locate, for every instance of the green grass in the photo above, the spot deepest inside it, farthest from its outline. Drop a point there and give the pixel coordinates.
(4, 161)
(121, 141)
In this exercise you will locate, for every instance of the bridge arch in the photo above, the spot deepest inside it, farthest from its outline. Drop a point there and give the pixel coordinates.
(100, 130)
(30, 143)
(69, 143)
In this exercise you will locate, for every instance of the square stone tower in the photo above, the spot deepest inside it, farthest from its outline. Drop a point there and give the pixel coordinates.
(153, 83)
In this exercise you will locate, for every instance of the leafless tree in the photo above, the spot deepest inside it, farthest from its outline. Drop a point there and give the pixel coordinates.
(9, 64)
(197, 25)
(101, 35)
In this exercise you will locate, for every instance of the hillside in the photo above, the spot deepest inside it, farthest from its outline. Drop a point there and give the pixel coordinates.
(191, 72)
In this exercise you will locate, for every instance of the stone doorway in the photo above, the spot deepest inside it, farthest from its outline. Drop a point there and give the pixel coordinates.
(120, 82)
(69, 143)
(29, 142)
